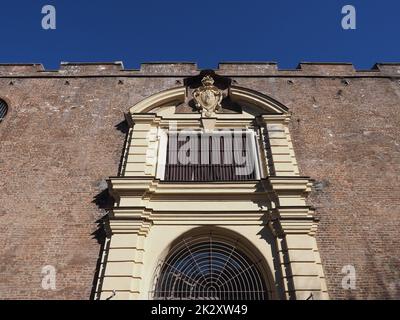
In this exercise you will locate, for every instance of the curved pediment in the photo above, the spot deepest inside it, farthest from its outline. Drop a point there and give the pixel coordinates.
(166, 97)
(254, 98)
(209, 100)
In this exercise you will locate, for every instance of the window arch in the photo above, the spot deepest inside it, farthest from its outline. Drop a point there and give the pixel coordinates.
(3, 109)
(210, 267)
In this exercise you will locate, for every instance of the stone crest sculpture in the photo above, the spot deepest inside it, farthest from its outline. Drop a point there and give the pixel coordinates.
(208, 97)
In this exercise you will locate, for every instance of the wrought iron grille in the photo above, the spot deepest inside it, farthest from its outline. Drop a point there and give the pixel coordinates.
(209, 268)
(3, 109)
(210, 157)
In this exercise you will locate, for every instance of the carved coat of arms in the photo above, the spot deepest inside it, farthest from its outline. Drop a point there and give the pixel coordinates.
(208, 97)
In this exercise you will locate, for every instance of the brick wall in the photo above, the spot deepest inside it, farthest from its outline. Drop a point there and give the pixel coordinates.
(64, 135)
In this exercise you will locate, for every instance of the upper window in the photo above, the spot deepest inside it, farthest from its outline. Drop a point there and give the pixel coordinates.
(3, 109)
(216, 156)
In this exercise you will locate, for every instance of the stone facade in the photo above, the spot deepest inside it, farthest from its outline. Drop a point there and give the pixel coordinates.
(65, 134)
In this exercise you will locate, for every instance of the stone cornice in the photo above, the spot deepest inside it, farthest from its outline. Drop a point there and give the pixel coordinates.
(140, 227)
(284, 184)
(139, 185)
(187, 217)
(142, 185)
(293, 220)
(193, 121)
(273, 118)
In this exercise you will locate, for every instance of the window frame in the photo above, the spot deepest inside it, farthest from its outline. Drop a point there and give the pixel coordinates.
(163, 136)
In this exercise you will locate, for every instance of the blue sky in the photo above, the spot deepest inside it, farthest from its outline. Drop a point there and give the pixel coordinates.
(202, 31)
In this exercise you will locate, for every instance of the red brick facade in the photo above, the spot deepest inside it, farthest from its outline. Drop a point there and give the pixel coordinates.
(64, 135)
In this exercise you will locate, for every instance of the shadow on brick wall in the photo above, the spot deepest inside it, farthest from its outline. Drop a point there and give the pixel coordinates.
(124, 128)
(104, 202)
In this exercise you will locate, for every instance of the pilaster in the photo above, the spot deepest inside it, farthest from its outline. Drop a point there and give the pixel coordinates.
(141, 157)
(294, 224)
(124, 261)
(278, 145)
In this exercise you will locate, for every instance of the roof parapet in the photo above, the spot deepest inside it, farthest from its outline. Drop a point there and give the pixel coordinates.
(10, 69)
(187, 69)
(248, 68)
(327, 68)
(171, 68)
(388, 68)
(91, 67)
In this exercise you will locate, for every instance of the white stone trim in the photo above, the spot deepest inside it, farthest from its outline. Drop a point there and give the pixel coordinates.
(150, 213)
(162, 153)
(256, 154)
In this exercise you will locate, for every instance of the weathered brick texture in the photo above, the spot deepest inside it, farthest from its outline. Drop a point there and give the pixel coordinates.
(64, 135)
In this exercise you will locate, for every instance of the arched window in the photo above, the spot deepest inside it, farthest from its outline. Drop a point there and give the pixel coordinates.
(3, 109)
(210, 267)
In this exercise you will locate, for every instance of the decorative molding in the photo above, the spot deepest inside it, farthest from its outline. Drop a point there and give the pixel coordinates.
(139, 185)
(292, 220)
(141, 216)
(208, 124)
(145, 118)
(290, 183)
(265, 119)
(135, 226)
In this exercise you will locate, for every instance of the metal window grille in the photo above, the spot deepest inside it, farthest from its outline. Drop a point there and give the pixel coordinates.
(209, 267)
(3, 109)
(222, 156)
